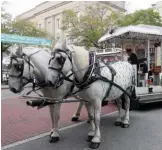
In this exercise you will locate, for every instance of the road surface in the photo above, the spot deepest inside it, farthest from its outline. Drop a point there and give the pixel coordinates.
(144, 133)
(20, 122)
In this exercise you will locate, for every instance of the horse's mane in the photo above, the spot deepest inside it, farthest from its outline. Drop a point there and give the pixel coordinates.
(81, 55)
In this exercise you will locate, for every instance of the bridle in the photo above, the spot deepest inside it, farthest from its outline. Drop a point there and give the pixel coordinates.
(61, 75)
(20, 68)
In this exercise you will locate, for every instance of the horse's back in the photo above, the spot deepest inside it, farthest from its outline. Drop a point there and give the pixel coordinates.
(123, 77)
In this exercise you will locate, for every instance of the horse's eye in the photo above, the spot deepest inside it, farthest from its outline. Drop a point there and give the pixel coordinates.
(18, 66)
(61, 60)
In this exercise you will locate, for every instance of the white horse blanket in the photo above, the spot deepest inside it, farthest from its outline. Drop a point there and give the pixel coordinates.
(124, 77)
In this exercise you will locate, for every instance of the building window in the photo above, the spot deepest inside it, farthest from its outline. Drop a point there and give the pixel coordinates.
(49, 26)
(78, 15)
(39, 26)
(58, 23)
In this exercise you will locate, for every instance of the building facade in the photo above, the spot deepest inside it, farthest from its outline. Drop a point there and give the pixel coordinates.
(48, 15)
(158, 7)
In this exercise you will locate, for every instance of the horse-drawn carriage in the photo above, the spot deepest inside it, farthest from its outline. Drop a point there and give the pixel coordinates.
(72, 70)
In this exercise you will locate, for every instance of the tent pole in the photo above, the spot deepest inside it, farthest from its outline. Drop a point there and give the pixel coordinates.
(148, 54)
(122, 50)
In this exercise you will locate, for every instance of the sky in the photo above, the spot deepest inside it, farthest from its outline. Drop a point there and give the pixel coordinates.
(16, 7)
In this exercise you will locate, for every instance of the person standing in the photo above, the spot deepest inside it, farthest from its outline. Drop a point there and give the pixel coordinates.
(132, 59)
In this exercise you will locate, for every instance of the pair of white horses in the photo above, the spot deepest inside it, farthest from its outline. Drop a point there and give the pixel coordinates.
(65, 59)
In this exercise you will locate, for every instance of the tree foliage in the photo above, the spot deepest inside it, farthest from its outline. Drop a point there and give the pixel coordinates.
(20, 27)
(147, 16)
(91, 25)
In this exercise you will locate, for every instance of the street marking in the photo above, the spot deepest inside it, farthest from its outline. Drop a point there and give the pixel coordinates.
(47, 133)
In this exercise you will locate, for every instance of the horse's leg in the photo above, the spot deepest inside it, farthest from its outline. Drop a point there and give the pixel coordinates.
(126, 116)
(91, 121)
(119, 118)
(77, 114)
(55, 114)
(97, 111)
(51, 108)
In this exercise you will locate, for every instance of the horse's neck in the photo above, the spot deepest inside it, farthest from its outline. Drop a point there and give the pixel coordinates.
(80, 62)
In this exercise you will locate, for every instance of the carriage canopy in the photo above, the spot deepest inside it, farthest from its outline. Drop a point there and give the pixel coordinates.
(139, 32)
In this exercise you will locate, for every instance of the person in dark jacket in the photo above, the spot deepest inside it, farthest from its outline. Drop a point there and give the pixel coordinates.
(132, 57)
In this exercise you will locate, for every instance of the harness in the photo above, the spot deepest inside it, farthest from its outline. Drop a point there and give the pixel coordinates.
(93, 74)
(20, 68)
(35, 81)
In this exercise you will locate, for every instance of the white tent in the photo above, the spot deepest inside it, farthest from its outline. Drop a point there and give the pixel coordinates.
(134, 32)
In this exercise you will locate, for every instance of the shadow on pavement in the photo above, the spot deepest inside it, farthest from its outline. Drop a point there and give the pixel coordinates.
(151, 106)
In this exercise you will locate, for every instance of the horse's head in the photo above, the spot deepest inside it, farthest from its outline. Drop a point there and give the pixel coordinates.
(20, 71)
(60, 64)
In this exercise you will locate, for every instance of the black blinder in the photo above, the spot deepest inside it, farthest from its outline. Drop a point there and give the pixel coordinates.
(61, 60)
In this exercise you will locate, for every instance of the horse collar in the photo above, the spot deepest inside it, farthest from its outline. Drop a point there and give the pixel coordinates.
(88, 74)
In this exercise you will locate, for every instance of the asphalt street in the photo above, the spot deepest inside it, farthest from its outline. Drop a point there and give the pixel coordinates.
(144, 133)
(20, 122)
(6, 93)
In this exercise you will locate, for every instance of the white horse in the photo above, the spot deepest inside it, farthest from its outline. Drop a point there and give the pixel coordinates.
(92, 78)
(31, 63)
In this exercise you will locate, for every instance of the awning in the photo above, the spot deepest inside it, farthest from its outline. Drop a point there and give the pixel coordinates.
(12, 38)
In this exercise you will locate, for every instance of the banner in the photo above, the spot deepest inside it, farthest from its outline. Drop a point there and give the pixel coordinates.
(11, 38)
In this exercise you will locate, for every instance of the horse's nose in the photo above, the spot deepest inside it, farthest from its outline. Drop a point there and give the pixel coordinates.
(50, 83)
(13, 90)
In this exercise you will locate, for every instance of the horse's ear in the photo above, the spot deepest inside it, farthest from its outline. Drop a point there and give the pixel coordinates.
(64, 44)
(19, 51)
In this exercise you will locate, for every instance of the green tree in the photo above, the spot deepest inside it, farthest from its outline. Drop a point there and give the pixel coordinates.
(147, 16)
(91, 25)
(20, 27)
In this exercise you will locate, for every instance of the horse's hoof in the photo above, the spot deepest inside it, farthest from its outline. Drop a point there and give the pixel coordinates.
(54, 139)
(117, 123)
(88, 121)
(75, 119)
(51, 134)
(125, 125)
(90, 137)
(94, 145)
